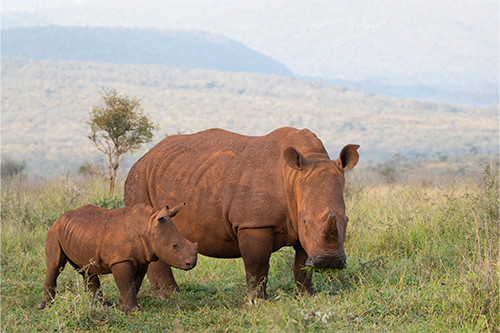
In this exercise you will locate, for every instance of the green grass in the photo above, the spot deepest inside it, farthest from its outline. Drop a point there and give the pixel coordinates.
(421, 259)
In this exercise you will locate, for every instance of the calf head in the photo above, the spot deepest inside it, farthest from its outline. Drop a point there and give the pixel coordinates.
(169, 245)
(318, 192)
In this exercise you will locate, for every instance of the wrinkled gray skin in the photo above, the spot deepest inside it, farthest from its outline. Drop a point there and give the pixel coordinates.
(123, 242)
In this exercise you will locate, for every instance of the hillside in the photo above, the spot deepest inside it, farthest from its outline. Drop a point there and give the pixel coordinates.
(443, 50)
(43, 103)
(137, 46)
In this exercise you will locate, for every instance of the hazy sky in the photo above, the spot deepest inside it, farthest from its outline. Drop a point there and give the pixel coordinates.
(8, 4)
(395, 42)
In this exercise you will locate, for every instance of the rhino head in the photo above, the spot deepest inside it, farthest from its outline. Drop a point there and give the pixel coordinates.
(318, 192)
(169, 245)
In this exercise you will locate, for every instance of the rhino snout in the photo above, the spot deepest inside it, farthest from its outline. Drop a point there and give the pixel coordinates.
(326, 261)
(190, 262)
(189, 265)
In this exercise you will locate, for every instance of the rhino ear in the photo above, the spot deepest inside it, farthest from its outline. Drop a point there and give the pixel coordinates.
(162, 214)
(176, 209)
(166, 212)
(348, 158)
(294, 159)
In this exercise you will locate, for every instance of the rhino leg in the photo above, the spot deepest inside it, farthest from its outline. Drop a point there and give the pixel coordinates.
(162, 279)
(124, 275)
(303, 279)
(139, 277)
(93, 284)
(56, 260)
(256, 246)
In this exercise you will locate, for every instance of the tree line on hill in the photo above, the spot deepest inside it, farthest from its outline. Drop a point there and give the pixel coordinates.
(43, 103)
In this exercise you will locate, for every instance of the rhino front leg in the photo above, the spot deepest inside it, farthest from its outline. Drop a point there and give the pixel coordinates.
(56, 260)
(124, 275)
(303, 279)
(162, 279)
(256, 246)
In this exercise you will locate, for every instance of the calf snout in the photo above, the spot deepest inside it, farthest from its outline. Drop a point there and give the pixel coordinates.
(189, 265)
(190, 261)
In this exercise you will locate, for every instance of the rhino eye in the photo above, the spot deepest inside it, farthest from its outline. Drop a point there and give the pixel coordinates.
(175, 246)
(304, 221)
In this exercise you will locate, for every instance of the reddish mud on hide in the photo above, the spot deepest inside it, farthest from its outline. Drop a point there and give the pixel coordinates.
(123, 242)
(247, 197)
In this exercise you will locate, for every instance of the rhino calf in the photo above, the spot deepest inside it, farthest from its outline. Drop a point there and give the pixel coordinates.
(123, 242)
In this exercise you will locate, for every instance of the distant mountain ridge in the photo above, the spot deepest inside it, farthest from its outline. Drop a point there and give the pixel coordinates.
(184, 49)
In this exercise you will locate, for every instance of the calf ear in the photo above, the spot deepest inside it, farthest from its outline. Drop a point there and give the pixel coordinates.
(295, 159)
(166, 212)
(176, 209)
(348, 158)
(162, 214)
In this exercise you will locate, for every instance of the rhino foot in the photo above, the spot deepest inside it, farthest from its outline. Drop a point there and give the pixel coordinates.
(106, 304)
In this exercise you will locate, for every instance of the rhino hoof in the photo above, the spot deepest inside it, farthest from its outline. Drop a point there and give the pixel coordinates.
(41, 306)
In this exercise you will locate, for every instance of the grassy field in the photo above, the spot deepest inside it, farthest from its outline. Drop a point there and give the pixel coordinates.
(422, 258)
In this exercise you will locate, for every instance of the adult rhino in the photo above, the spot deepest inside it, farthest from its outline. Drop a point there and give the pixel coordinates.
(249, 196)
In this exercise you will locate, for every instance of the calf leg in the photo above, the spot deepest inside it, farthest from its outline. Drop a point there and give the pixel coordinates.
(256, 246)
(93, 284)
(303, 279)
(125, 279)
(56, 260)
(162, 279)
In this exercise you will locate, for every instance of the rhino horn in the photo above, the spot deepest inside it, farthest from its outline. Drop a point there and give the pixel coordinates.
(331, 225)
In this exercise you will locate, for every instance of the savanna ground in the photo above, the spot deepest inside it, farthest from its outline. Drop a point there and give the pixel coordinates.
(423, 257)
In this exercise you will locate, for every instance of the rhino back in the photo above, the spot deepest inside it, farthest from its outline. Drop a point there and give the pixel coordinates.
(97, 236)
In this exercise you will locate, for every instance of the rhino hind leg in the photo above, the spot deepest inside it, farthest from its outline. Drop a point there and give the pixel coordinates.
(56, 260)
(303, 279)
(93, 284)
(256, 247)
(162, 279)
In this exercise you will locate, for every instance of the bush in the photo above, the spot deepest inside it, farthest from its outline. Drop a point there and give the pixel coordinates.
(109, 202)
(12, 168)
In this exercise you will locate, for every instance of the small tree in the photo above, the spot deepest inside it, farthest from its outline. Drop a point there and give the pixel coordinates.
(117, 127)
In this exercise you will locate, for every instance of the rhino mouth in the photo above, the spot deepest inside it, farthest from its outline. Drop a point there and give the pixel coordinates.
(326, 261)
(188, 266)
